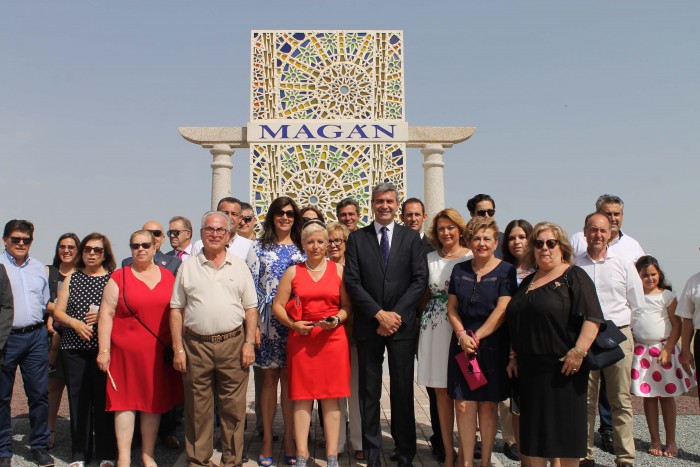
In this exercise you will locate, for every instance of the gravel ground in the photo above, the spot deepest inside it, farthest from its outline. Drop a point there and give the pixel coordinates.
(687, 433)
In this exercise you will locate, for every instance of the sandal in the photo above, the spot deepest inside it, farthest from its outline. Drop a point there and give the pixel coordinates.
(655, 449)
(671, 450)
(290, 460)
(106, 463)
(264, 461)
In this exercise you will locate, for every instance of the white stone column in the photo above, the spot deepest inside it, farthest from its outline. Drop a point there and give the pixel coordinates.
(433, 180)
(221, 167)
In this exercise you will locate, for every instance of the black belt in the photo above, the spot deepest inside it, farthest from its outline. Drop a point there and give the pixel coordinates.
(27, 329)
(623, 327)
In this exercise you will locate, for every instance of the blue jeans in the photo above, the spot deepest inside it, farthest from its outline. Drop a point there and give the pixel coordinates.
(31, 352)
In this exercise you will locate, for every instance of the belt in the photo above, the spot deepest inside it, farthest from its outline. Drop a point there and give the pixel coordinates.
(623, 327)
(214, 338)
(27, 329)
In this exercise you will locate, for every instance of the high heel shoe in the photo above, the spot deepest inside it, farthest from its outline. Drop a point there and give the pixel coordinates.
(332, 461)
(301, 461)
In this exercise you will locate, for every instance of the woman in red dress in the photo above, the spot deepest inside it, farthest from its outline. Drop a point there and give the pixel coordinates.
(135, 309)
(318, 353)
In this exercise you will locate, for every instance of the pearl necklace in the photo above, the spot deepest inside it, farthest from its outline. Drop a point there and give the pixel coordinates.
(450, 255)
(320, 268)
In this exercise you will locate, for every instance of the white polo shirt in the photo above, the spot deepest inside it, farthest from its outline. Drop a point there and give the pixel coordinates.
(689, 301)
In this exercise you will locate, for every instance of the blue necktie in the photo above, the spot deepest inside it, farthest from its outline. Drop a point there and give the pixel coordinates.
(384, 244)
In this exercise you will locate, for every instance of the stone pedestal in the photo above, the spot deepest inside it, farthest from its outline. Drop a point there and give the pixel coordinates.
(433, 180)
(221, 168)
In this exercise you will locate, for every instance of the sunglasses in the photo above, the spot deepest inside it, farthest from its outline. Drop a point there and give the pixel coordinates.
(18, 240)
(551, 243)
(144, 245)
(309, 219)
(246, 219)
(282, 213)
(67, 247)
(156, 232)
(486, 212)
(175, 233)
(98, 250)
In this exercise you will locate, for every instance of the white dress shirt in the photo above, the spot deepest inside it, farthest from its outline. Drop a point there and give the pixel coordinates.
(623, 246)
(689, 301)
(238, 247)
(389, 233)
(617, 284)
(187, 252)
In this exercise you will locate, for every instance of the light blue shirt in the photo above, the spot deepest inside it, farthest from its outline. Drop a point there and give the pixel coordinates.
(30, 288)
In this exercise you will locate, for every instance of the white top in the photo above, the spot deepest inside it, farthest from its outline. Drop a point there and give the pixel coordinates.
(652, 324)
(239, 247)
(624, 246)
(689, 301)
(617, 283)
(214, 299)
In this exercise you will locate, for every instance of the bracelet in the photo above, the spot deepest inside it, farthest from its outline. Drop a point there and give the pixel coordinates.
(337, 320)
(247, 341)
(105, 351)
(580, 352)
(457, 333)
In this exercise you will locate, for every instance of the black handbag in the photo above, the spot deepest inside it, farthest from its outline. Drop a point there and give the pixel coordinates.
(605, 349)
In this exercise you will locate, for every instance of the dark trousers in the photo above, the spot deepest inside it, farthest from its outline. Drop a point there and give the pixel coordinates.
(403, 420)
(436, 439)
(604, 410)
(87, 389)
(696, 352)
(31, 352)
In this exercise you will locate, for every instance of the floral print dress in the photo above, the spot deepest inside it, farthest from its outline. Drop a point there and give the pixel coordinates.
(267, 268)
(435, 329)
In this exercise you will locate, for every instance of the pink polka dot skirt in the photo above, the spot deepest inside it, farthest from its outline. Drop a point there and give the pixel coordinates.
(651, 379)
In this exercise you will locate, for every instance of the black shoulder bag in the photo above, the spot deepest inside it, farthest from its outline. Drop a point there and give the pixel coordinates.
(605, 350)
(168, 353)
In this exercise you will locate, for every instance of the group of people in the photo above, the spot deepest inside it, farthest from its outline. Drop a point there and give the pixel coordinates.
(314, 307)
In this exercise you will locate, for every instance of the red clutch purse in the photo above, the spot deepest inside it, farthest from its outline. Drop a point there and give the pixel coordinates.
(293, 308)
(470, 368)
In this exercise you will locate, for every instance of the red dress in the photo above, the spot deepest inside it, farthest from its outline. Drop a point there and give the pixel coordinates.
(144, 381)
(319, 363)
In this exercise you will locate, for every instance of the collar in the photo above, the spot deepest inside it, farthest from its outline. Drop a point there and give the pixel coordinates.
(13, 262)
(378, 227)
(619, 237)
(606, 256)
(203, 259)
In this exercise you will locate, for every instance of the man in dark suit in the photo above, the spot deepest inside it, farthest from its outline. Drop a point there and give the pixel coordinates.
(6, 310)
(171, 263)
(386, 275)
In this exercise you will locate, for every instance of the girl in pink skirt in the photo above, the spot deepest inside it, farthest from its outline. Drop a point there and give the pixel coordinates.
(657, 374)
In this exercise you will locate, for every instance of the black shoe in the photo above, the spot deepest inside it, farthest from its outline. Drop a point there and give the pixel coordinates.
(607, 442)
(511, 451)
(477, 450)
(586, 463)
(5, 461)
(42, 458)
(374, 463)
(395, 455)
(244, 457)
(403, 462)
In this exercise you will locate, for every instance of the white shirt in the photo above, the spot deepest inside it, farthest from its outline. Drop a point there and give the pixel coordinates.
(238, 247)
(187, 252)
(617, 284)
(389, 233)
(689, 301)
(624, 246)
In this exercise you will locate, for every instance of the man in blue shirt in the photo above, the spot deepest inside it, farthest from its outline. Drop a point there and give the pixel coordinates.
(27, 345)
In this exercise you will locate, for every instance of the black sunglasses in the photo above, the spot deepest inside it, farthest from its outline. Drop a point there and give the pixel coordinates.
(98, 250)
(246, 219)
(144, 245)
(551, 243)
(475, 293)
(156, 232)
(282, 213)
(485, 212)
(18, 240)
(174, 233)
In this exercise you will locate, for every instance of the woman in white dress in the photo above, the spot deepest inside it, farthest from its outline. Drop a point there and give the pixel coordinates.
(447, 235)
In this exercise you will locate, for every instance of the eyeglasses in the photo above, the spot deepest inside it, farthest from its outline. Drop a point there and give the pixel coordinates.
(551, 243)
(281, 213)
(67, 247)
(336, 242)
(98, 250)
(18, 240)
(144, 245)
(246, 219)
(175, 233)
(212, 230)
(486, 212)
(156, 232)
(475, 293)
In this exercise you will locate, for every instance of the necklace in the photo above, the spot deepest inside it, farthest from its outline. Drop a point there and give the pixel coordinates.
(450, 255)
(535, 279)
(319, 268)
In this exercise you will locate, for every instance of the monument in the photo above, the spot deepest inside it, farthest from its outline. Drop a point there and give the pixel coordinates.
(327, 121)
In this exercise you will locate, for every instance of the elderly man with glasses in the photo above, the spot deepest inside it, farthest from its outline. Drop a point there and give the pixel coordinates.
(237, 245)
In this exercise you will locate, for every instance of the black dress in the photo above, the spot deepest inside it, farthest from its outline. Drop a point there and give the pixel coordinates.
(544, 325)
(493, 350)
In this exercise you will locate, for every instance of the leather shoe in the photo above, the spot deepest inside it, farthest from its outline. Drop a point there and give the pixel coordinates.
(586, 463)
(374, 463)
(403, 462)
(395, 455)
(170, 442)
(607, 442)
(511, 451)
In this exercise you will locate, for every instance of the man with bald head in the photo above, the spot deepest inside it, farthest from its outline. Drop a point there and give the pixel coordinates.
(171, 263)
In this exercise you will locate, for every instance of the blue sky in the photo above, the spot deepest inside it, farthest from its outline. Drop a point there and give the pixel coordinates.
(570, 100)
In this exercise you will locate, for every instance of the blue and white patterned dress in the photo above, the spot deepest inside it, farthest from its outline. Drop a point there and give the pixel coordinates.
(267, 268)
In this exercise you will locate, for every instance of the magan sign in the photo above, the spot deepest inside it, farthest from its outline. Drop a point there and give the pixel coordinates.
(286, 131)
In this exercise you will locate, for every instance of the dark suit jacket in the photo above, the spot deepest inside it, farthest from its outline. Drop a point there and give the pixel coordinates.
(427, 246)
(398, 287)
(171, 263)
(7, 309)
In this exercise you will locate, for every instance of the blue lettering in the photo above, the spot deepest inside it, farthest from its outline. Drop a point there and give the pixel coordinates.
(358, 129)
(304, 130)
(273, 134)
(322, 131)
(378, 128)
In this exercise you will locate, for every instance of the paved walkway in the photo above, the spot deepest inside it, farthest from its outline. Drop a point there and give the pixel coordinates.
(688, 427)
